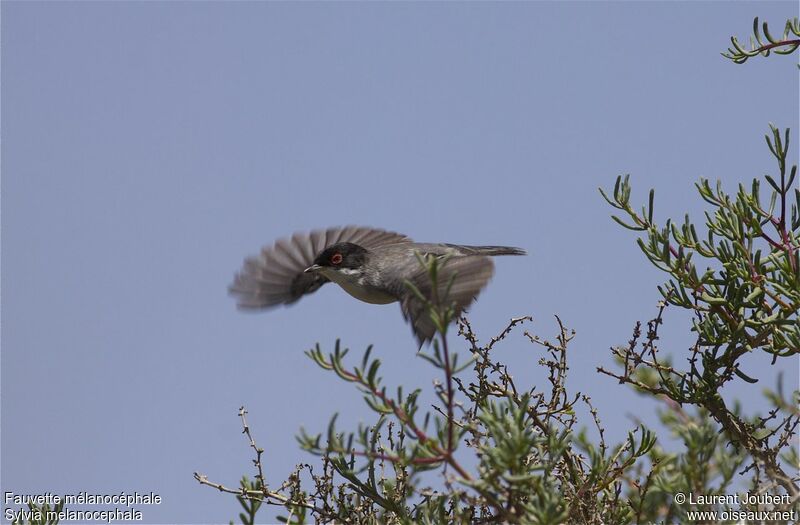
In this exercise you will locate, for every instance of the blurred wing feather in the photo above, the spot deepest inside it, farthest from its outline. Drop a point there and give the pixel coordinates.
(469, 275)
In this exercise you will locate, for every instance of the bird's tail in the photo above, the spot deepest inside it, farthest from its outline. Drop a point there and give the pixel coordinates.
(488, 250)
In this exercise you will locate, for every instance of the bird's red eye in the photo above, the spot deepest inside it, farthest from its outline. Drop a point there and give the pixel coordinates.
(336, 258)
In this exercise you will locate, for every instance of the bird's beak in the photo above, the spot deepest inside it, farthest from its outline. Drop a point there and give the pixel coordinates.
(313, 268)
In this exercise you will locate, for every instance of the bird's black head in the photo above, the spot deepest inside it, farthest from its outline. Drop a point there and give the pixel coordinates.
(342, 255)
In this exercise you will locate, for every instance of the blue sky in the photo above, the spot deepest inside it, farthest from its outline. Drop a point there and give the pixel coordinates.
(148, 147)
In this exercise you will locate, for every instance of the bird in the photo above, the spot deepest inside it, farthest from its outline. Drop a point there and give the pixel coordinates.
(372, 265)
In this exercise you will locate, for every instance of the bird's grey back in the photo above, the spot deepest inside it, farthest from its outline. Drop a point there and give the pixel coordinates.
(396, 265)
(462, 250)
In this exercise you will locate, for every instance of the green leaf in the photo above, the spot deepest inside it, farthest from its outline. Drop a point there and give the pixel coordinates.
(625, 225)
(744, 376)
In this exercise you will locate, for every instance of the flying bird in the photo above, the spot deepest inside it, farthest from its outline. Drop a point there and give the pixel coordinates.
(370, 264)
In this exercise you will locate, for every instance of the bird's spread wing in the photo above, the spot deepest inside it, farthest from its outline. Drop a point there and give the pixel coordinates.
(469, 275)
(275, 276)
